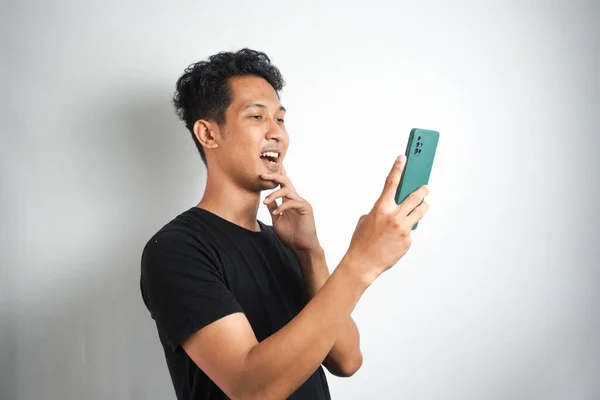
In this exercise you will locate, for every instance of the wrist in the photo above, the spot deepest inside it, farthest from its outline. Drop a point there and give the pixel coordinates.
(357, 268)
(313, 252)
(310, 258)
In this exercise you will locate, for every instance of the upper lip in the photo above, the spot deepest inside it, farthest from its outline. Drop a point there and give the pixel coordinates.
(274, 150)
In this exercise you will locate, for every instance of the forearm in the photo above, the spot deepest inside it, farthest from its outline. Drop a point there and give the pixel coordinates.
(277, 366)
(345, 356)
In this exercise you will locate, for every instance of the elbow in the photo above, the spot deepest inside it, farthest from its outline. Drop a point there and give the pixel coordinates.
(348, 367)
(353, 365)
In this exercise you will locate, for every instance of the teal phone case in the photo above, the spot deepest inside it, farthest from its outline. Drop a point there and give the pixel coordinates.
(420, 152)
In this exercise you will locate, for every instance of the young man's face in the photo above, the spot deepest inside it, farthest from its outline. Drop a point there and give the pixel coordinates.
(254, 123)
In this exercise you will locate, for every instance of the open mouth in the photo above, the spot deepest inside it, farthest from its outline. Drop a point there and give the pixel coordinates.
(270, 157)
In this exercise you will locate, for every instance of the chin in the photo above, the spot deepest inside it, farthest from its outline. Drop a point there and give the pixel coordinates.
(268, 185)
(260, 184)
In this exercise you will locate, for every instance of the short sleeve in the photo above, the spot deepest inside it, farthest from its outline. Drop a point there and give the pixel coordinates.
(182, 286)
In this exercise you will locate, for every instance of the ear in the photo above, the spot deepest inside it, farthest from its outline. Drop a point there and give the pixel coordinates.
(206, 132)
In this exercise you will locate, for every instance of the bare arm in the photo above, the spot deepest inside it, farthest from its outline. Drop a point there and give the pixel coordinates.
(228, 352)
(227, 349)
(345, 357)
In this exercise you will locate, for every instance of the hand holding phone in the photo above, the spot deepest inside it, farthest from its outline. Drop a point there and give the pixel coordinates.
(382, 236)
(420, 153)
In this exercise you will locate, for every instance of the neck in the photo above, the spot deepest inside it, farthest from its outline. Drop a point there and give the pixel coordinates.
(223, 198)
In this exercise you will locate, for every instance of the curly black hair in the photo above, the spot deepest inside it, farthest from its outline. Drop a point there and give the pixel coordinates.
(203, 92)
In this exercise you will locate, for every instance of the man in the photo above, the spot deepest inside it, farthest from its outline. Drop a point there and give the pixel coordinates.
(246, 310)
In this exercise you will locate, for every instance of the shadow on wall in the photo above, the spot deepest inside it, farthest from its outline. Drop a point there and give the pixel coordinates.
(9, 231)
(136, 163)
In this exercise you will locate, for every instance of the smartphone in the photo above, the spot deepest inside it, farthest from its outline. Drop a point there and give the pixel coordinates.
(420, 152)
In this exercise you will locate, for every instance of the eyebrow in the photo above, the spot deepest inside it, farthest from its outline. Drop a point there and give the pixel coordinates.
(281, 108)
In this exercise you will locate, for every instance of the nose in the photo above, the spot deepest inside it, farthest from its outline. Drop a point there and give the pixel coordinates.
(275, 131)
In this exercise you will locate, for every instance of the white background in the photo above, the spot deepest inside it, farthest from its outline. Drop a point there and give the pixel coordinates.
(498, 297)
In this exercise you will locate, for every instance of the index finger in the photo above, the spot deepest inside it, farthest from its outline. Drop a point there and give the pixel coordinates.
(283, 180)
(393, 180)
(413, 200)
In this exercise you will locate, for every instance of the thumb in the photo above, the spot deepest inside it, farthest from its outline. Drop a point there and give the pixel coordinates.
(393, 180)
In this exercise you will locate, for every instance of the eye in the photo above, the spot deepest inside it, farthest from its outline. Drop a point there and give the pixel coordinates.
(257, 117)
(280, 120)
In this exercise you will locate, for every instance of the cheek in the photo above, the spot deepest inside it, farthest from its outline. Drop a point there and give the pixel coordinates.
(242, 143)
(246, 152)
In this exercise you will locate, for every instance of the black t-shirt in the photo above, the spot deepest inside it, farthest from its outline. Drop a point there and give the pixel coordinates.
(199, 268)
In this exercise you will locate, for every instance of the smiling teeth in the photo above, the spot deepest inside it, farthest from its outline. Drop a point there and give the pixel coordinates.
(269, 154)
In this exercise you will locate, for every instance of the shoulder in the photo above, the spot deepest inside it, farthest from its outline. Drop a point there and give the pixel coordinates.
(174, 261)
(184, 239)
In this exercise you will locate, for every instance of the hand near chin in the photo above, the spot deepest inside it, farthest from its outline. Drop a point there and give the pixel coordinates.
(293, 219)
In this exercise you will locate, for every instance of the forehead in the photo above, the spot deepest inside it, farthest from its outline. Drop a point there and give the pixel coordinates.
(252, 89)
